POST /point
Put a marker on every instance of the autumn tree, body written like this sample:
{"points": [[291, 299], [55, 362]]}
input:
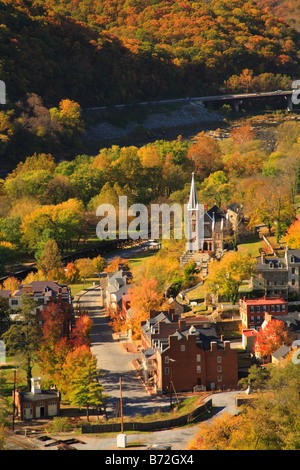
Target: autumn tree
{"points": [[292, 236], [271, 336], [81, 331], [72, 273], [226, 276], [268, 422], [68, 115], [142, 299], [216, 188], [50, 262], [23, 337], [56, 323], [205, 155], [100, 264], [82, 387], [114, 264], [11, 283], [85, 267], [269, 201]]}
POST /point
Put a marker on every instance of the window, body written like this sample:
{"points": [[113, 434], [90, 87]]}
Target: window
{"points": [[219, 378], [182, 348], [219, 369], [14, 302], [283, 308], [258, 308], [198, 369], [271, 265], [166, 370], [167, 360], [293, 282], [251, 319], [252, 309], [219, 359], [198, 357], [264, 308]]}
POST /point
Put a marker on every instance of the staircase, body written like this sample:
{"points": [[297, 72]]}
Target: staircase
{"points": [[186, 258]]}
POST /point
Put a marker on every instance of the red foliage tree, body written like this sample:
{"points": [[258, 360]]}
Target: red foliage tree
{"points": [[271, 336]]}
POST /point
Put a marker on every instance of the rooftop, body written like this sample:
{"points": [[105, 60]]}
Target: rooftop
{"points": [[265, 301]]}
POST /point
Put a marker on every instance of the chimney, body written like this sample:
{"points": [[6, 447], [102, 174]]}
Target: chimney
{"points": [[182, 325], [263, 257], [213, 346], [205, 207], [153, 313], [36, 385]]}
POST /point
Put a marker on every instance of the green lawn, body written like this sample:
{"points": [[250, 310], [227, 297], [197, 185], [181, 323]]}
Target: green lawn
{"points": [[251, 245], [137, 260], [79, 286]]}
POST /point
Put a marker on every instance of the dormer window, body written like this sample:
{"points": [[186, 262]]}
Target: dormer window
{"points": [[271, 265], [279, 265], [292, 259]]}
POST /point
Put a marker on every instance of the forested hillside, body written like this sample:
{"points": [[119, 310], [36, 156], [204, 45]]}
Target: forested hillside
{"points": [[287, 9], [110, 51]]}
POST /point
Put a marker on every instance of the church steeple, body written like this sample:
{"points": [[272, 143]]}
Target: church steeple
{"points": [[193, 219], [193, 201]]}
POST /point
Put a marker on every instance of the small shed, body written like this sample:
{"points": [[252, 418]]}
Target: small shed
{"points": [[248, 339], [37, 403]]}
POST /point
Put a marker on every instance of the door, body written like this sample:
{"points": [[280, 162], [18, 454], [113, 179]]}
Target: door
{"points": [[27, 413]]}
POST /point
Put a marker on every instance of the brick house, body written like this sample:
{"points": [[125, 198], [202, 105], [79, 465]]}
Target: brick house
{"points": [[183, 356], [37, 403], [253, 311]]}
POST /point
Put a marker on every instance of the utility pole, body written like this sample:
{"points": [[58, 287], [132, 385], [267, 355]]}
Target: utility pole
{"points": [[14, 398], [121, 404], [121, 438]]}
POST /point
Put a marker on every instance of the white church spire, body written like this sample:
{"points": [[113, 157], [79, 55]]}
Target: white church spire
{"points": [[195, 228], [193, 201]]}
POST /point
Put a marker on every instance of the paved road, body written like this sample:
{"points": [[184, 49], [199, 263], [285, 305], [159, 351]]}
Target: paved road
{"points": [[177, 438], [114, 363]]}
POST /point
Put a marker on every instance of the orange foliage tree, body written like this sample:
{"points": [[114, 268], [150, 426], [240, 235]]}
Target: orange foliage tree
{"points": [[292, 237], [143, 298], [205, 155]]}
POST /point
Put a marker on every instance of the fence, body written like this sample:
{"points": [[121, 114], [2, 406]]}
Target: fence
{"points": [[148, 426]]}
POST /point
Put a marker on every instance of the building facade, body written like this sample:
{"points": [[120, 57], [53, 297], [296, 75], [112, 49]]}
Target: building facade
{"points": [[253, 311], [185, 358], [280, 276]]}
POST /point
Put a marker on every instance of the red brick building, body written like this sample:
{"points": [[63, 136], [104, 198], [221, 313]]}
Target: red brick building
{"points": [[184, 357], [37, 403], [252, 311]]}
